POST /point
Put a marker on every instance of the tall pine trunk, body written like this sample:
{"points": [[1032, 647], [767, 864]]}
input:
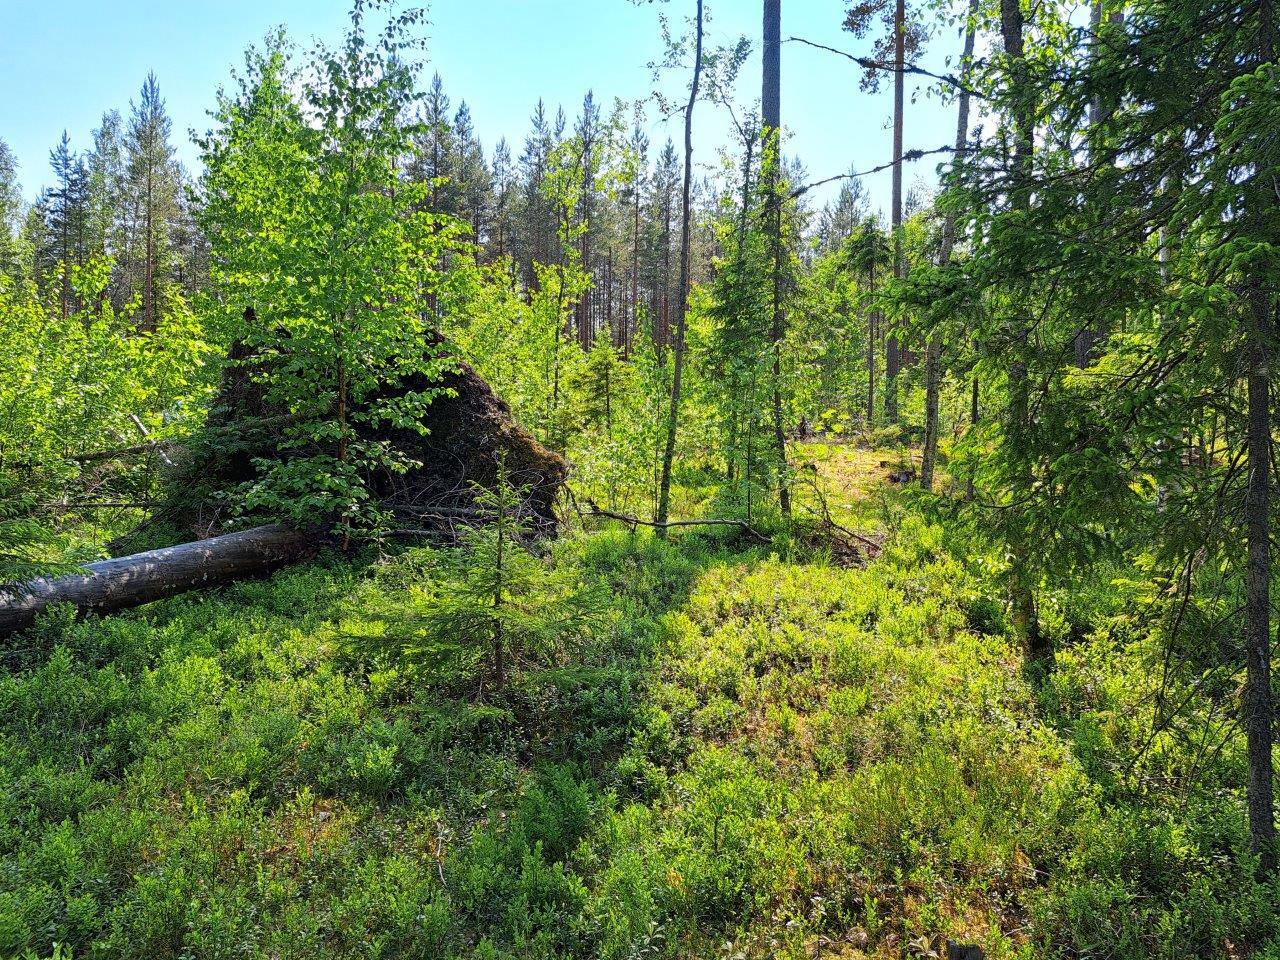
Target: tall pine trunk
{"points": [[892, 351], [686, 222], [585, 333], [634, 326], [771, 116]]}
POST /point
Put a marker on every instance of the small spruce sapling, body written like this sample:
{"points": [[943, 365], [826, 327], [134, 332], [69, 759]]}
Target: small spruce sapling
{"points": [[500, 602]]}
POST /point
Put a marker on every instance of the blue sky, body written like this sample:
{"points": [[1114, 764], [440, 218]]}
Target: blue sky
{"points": [[65, 63]]}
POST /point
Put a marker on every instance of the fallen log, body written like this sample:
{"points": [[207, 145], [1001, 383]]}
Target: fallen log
{"points": [[120, 453], [466, 433], [130, 581]]}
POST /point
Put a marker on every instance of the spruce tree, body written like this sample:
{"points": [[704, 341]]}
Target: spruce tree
{"points": [[840, 220], [537, 228], [106, 183], [500, 607], [66, 207], [474, 181]]}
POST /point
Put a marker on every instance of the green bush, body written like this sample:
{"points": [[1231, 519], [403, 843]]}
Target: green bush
{"points": [[766, 754]]}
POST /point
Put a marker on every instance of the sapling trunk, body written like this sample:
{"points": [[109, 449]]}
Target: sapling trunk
{"points": [[499, 641], [933, 351]]}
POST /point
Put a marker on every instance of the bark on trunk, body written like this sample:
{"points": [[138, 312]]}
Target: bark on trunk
{"points": [[131, 581], [892, 350], [932, 390], [686, 227], [771, 117], [974, 412], [1035, 646], [634, 327], [873, 340], [1259, 710], [1087, 337], [933, 352]]}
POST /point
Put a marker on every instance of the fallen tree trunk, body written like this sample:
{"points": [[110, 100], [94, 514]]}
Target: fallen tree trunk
{"points": [[143, 577], [464, 438]]}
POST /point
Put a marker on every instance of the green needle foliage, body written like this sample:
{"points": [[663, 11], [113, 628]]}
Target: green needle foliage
{"points": [[499, 603]]}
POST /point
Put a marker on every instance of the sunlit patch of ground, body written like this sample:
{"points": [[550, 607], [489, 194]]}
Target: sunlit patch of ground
{"points": [[853, 480]]}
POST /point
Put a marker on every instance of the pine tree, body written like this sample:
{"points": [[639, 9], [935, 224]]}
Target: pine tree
{"points": [[537, 229], [900, 39], [587, 133], [635, 180], [434, 160], [661, 217], [152, 203], [502, 176], [773, 180]]}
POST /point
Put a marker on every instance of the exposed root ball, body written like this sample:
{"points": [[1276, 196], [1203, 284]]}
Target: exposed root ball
{"points": [[467, 429]]}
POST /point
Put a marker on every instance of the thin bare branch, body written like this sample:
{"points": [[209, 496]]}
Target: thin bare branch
{"points": [[909, 155], [868, 64]]}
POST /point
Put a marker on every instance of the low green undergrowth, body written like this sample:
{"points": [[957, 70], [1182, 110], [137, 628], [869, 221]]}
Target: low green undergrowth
{"points": [[747, 757]]}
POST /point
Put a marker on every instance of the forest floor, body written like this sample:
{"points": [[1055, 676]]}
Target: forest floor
{"points": [[759, 754]]}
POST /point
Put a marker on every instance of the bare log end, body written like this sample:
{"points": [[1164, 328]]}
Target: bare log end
{"points": [[118, 584]]}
